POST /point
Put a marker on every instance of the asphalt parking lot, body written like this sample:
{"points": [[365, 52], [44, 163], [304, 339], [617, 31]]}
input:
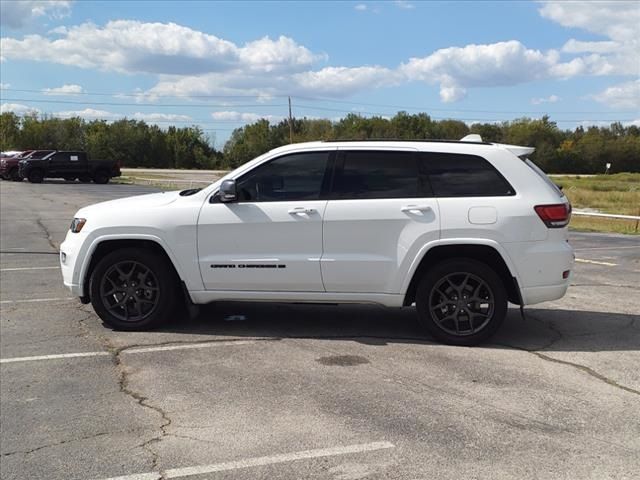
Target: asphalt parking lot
{"points": [[293, 392]]}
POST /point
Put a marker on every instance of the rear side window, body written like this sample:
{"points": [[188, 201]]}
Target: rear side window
{"points": [[544, 177], [376, 174], [458, 175]]}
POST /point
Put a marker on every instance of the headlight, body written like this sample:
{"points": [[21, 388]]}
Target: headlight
{"points": [[77, 224]]}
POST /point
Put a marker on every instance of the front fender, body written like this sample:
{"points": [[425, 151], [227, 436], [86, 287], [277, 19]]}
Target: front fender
{"points": [[186, 272]]}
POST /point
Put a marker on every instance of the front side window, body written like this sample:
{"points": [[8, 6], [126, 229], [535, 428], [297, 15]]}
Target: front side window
{"points": [[376, 174], [294, 177], [459, 175]]}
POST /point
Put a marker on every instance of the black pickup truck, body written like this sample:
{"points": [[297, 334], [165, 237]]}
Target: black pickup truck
{"points": [[68, 165]]}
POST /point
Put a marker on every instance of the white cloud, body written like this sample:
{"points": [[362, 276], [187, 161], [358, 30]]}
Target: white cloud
{"points": [[88, 114], [18, 109], [576, 46], [4, 86], [549, 99], [242, 117], [624, 96], [16, 14], [497, 64], [619, 22], [635, 123], [342, 81], [616, 20], [361, 7], [161, 117], [66, 89], [129, 46], [404, 4]]}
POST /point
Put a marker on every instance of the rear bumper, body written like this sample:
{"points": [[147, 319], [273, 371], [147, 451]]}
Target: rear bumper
{"points": [[541, 267], [546, 293]]}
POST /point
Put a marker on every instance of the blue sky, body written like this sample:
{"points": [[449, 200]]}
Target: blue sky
{"points": [[222, 64]]}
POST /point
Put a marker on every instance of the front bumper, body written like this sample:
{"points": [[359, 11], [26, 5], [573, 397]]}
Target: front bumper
{"points": [[70, 263]]}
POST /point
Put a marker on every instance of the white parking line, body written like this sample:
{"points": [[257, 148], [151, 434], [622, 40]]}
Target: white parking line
{"points": [[606, 248], [52, 357], [20, 269], [131, 351], [596, 262], [37, 300], [259, 461]]}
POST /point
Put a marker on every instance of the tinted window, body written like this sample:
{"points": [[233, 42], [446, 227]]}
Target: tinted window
{"points": [[293, 177], [456, 175], [376, 174]]}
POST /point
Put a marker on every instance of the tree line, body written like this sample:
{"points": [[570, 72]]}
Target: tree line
{"points": [[138, 144]]}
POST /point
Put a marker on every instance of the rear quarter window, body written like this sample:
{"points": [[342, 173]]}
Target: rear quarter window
{"points": [[459, 175]]}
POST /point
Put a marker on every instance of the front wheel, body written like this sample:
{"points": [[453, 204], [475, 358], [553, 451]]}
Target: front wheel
{"points": [[133, 289], [101, 177], [14, 175], [36, 176], [461, 302]]}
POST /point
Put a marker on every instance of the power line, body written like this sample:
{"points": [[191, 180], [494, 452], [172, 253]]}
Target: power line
{"points": [[154, 105], [309, 98], [308, 107]]}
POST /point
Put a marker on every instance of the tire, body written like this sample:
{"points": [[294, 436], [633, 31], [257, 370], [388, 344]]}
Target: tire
{"points": [[36, 176], [84, 178], [101, 177], [14, 175], [145, 308], [445, 304]]}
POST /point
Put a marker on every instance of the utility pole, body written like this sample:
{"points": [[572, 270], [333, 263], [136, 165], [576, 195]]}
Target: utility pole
{"points": [[290, 123]]}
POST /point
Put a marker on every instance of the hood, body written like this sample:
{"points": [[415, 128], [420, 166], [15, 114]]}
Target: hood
{"points": [[138, 202]]}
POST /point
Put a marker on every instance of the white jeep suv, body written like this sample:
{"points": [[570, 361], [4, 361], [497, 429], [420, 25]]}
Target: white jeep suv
{"points": [[457, 228]]}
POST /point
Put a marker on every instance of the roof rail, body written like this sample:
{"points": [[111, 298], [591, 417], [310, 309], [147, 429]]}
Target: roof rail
{"points": [[422, 140]]}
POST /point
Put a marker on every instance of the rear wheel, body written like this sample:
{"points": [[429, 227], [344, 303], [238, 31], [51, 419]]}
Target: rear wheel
{"points": [[133, 289], [461, 302], [36, 176], [101, 177], [14, 175]]}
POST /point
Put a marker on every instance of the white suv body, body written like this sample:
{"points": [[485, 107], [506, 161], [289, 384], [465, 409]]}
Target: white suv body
{"points": [[335, 222]]}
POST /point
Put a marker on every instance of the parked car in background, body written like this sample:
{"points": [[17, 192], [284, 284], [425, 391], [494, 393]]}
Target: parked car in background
{"points": [[9, 164], [70, 165]]}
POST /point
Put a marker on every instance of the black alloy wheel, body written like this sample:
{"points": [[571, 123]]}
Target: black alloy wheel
{"points": [[129, 291], [461, 302], [133, 289]]}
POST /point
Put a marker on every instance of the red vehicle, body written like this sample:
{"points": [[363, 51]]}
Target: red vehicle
{"points": [[9, 165]]}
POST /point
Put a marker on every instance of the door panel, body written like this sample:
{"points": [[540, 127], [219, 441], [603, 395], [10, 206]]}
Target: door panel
{"points": [[369, 244], [263, 246], [379, 215]]}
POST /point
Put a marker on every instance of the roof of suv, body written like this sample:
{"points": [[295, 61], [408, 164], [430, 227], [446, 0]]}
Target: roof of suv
{"points": [[464, 145]]}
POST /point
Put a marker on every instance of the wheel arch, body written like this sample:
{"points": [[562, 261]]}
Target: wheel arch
{"points": [[104, 246], [487, 254]]}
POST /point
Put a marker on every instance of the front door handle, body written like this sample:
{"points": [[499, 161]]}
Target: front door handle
{"points": [[415, 208], [301, 211]]}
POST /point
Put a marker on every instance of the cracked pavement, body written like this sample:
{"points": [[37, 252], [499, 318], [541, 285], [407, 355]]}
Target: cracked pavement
{"points": [[554, 396]]}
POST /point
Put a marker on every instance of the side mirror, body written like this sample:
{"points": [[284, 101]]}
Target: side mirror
{"points": [[228, 191]]}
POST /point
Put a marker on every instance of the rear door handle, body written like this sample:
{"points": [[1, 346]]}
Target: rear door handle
{"points": [[415, 208], [301, 210]]}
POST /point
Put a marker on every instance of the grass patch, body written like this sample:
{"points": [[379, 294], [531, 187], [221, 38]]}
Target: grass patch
{"points": [[617, 193]]}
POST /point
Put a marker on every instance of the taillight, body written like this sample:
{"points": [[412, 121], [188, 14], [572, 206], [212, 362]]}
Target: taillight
{"points": [[554, 216]]}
